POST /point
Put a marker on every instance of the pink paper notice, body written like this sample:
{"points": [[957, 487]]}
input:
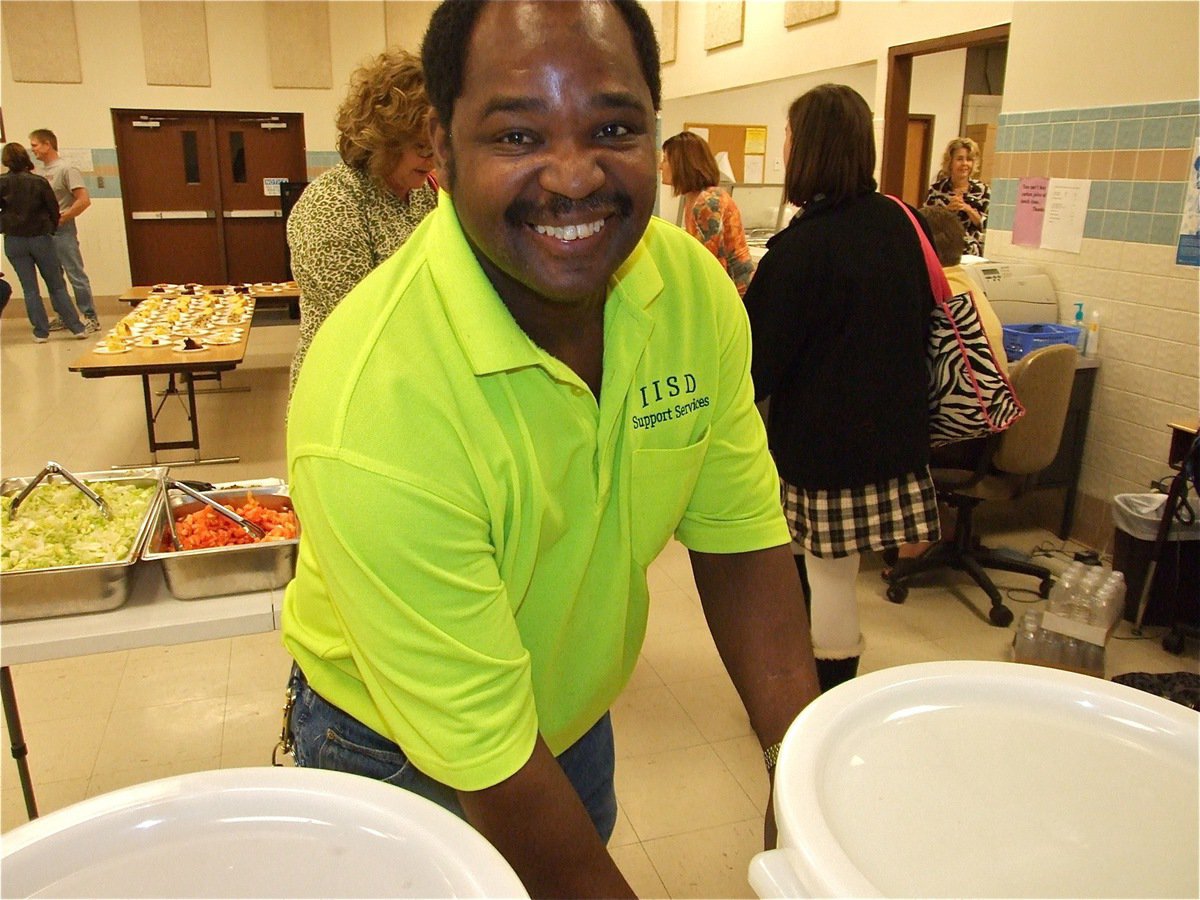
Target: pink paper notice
{"points": [[1030, 211]]}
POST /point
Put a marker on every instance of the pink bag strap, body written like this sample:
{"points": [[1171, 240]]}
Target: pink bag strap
{"points": [[937, 277]]}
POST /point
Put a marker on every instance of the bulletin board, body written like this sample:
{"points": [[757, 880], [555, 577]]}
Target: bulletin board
{"points": [[745, 144]]}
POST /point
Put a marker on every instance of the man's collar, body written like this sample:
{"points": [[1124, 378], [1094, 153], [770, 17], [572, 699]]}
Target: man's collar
{"points": [[489, 335]]}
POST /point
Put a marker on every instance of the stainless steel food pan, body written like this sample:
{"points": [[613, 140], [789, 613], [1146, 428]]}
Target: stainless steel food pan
{"points": [[216, 572], [70, 590]]}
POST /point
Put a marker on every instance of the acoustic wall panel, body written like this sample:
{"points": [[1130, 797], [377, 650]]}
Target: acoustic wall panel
{"points": [[42, 43], [175, 42], [405, 22], [298, 42]]}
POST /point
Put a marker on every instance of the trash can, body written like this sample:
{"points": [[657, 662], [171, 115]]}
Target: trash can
{"points": [[1173, 597]]}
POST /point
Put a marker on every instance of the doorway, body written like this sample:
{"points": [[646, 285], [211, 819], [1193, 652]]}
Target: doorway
{"points": [[899, 89], [917, 152], [200, 192]]}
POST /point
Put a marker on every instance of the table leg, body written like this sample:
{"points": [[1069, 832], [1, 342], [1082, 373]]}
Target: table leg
{"points": [[16, 738], [193, 419]]}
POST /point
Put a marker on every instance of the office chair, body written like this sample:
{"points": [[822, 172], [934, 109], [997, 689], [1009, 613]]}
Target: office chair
{"points": [[1042, 381]]}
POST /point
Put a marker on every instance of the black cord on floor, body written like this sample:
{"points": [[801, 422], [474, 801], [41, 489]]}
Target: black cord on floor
{"points": [[1008, 593], [1047, 548]]}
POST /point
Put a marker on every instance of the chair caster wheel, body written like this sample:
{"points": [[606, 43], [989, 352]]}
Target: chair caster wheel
{"points": [[1045, 587], [1001, 616], [1173, 642], [897, 593]]}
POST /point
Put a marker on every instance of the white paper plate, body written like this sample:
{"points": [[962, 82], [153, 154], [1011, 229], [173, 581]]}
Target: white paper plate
{"points": [[996, 779], [254, 832]]}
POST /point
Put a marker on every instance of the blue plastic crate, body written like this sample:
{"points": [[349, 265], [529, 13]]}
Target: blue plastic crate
{"points": [[1020, 340]]}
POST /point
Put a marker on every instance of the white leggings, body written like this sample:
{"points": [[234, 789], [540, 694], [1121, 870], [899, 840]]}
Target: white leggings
{"points": [[834, 606]]}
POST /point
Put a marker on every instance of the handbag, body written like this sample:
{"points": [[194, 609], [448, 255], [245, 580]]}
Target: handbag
{"points": [[969, 394]]}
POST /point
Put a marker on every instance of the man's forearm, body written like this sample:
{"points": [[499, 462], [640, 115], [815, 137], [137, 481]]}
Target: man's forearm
{"points": [[755, 610], [537, 821], [82, 201]]}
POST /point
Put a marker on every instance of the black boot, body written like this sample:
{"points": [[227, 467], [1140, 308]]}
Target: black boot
{"points": [[832, 672]]}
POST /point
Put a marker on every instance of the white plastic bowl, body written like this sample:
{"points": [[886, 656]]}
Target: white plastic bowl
{"points": [[986, 779], [254, 832]]}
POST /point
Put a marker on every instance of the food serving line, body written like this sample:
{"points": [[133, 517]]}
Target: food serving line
{"points": [[156, 589], [191, 331]]}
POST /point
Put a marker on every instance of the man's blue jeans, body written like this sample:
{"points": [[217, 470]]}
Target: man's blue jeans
{"points": [[66, 242], [30, 255], [328, 738]]}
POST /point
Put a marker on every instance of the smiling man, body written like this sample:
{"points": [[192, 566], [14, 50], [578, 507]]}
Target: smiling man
{"points": [[497, 432]]}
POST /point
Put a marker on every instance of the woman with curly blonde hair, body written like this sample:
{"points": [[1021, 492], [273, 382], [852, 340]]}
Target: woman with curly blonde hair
{"points": [[356, 215], [958, 190]]}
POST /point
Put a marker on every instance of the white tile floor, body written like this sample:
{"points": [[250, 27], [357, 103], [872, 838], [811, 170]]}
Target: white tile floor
{"points": [[689, 774]]}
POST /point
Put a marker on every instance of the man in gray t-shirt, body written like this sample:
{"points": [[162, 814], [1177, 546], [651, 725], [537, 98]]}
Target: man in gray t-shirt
{"points": [[73, 199]]}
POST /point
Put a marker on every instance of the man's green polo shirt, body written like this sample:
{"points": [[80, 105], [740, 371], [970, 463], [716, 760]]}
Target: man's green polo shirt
{"points": [[476, 528]]}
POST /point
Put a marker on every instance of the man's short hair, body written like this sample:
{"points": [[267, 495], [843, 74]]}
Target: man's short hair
{"points": [[444, 50], [949, 233], [45, 135]]}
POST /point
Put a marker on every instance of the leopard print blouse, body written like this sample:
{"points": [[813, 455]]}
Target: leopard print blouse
{"points": [[342, 227]]}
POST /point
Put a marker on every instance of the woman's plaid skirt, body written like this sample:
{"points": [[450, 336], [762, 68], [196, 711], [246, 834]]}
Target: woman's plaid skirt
{"points": [[841, 522]]}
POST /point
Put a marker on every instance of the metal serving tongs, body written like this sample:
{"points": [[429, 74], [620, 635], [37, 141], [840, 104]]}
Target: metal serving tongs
{"points": [[249, 527], [53, 468]]}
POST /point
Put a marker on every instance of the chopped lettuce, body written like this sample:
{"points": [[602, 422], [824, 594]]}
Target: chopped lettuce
{"points": [[56, 525]]}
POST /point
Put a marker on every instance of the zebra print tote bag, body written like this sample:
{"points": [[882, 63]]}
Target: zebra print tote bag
{"points": [[969, 394]]}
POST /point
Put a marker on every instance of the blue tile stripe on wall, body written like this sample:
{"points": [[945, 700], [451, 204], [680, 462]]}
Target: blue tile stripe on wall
{"points": [[103, 182], [1146, 212]]}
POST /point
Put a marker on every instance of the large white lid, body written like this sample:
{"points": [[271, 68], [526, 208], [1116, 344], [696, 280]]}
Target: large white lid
{"points": [[254, 832], [976, 779]]}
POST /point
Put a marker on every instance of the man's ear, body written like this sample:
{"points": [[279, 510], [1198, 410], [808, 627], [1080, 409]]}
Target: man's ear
{"points": [[439, 139]]}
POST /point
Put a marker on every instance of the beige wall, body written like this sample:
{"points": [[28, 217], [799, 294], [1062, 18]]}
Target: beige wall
{"points": [[1066, 55], [1081, 55], [861, 32]]}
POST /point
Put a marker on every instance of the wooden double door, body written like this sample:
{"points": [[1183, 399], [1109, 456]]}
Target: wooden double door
{"points": [[201, 193]]}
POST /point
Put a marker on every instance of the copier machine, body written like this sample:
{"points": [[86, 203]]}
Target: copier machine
{"points": [[1019, 293]]}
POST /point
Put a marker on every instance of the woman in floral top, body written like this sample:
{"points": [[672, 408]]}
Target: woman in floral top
{"points": [[710, 215], [962, 194]]}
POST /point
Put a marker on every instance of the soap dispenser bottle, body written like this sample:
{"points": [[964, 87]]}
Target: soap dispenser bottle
{"points": [[1081, 339]]}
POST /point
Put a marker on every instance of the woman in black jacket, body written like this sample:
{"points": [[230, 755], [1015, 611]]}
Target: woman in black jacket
{"points": [[840, 309], [29, 218]]}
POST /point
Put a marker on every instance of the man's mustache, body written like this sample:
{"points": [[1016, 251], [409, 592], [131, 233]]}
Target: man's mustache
{"points": [[519, 212]]}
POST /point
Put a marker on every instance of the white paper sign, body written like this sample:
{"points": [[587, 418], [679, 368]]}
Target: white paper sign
{"points": [[753, 166], [271, 186], [1066, 210], [80, 159], [699, 131]]}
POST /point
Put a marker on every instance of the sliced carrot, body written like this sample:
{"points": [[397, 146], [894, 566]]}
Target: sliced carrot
{"points": [[206, 528]]}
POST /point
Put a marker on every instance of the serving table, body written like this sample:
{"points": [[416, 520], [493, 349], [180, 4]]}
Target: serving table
{"points": [[150, 617], [173, 362]]}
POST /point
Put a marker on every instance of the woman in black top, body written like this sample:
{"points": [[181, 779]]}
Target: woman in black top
{"points": [[29, 218], [839, 310]]}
